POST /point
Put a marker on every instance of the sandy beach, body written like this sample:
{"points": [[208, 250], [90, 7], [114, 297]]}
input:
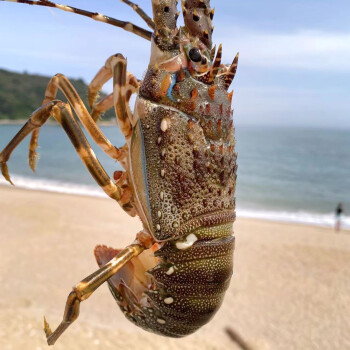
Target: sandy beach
{"points": [[291, 288]]}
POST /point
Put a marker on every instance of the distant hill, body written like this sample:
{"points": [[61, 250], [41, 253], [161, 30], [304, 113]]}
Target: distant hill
{"points": [[21, 94]]}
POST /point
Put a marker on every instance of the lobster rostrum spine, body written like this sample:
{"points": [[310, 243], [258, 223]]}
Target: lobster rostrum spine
{"points": [[180, 170]]}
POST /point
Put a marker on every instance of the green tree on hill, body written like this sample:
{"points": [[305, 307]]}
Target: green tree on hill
{"points": [[22, 93]]}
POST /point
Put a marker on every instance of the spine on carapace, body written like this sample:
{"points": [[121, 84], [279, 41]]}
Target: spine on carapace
{"points": [[165, 14], [198, 18]]}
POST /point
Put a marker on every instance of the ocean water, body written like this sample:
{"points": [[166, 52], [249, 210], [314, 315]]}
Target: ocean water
{"points": [[284, 174]]}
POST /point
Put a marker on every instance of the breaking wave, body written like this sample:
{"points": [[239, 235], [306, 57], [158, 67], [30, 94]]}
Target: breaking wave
{"points": [[302, 217]]}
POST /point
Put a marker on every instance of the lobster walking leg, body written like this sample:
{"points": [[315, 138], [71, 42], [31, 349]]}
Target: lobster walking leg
{"points": [[38, 118], [122, 92], [107, 103], [87, 286], [63, 115], [102, 106], [59, 81], [105, 74]]}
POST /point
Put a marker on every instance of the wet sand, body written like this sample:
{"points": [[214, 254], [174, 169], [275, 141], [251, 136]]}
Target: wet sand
{"points": [[291, 288]]}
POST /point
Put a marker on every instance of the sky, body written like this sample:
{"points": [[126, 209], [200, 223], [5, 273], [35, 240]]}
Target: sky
{"points": [[294, 65]]}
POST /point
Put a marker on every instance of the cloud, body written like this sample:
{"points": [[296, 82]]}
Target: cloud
{"points": [[308, 50]]}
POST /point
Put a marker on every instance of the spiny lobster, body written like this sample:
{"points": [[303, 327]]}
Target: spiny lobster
{"points": [[180, 169]]}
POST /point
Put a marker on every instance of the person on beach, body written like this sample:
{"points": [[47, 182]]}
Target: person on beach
{"points": [[338, 215]]}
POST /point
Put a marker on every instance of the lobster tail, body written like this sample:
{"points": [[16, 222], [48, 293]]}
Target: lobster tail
{"points": [[185, 286], [198, 20], [165, 17]]}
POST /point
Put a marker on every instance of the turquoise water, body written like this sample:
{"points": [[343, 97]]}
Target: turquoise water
{"points": [[287, 174]]}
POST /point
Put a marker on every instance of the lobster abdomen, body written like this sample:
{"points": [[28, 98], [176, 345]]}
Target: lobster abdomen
{"points": [[185, 288]]}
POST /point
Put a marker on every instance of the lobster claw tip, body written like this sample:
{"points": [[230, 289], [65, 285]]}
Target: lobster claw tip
{"points": [[5, 172], [47, 330], [33, 160]]}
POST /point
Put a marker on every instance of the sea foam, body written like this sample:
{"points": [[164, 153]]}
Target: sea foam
{"points": [[302, 217]]}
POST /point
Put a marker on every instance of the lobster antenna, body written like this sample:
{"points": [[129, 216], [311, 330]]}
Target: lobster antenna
{"points": [[128, 26], [141, 13]]}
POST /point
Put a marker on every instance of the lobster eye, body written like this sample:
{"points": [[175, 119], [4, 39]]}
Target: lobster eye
{"points": [[195, 55]]}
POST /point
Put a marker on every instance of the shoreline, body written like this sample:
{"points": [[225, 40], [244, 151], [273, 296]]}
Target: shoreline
{"points": [[52, 122], [239, 217]]}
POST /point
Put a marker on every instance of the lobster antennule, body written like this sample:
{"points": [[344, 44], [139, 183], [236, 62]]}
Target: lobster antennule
{"points": [[165, 17], [229, 76], [198, 20]]}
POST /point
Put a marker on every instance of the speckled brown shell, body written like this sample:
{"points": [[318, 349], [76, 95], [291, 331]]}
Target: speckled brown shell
{"points": [[189, 159], [188, 286], [183, 167]]}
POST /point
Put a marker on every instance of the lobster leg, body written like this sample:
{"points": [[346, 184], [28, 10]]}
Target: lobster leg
{"points": [[111, 70], [122, 92], [59, 81], [62, 113], [102, 106], [125, 84], [87, 286]]}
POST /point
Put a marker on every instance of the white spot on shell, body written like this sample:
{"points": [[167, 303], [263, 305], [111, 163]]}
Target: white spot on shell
{"points": [[158, 227], [162, 195], [170, 271], [160, 321], [168, 301], [99, 17], [162, 173], [129, 27], [159, 214], [64, 8], [164, 126], [190, 240]]}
